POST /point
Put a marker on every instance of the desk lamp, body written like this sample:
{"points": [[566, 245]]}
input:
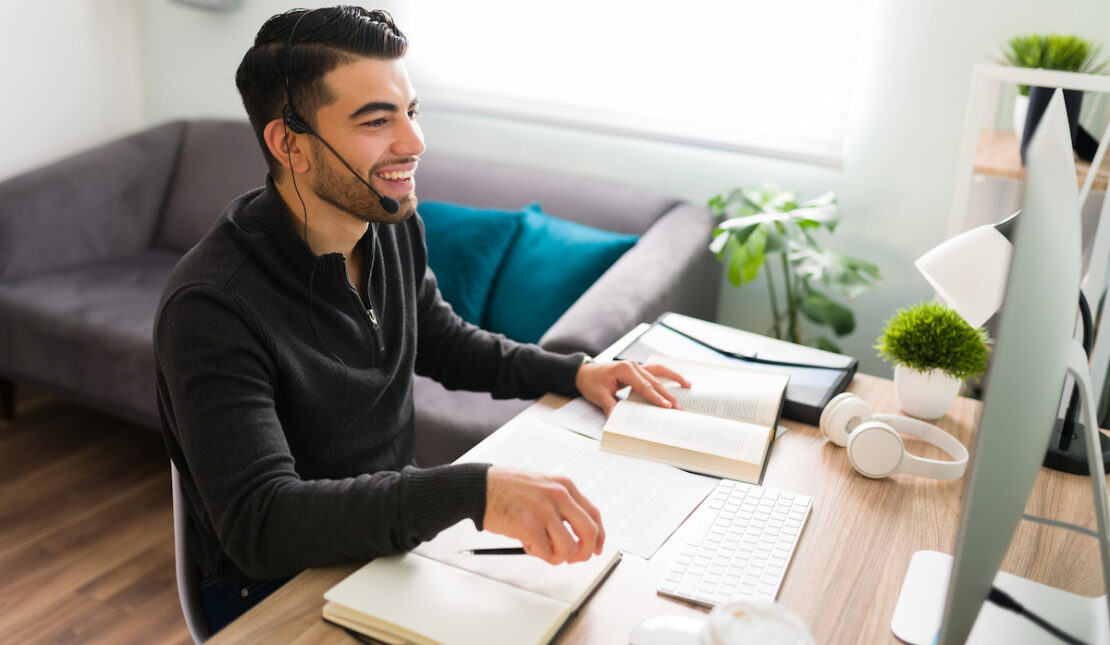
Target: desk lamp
{"points": [[969, 273]]}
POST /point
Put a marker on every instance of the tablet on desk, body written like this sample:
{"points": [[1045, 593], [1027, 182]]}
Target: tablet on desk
{"points": [[816, 376]]}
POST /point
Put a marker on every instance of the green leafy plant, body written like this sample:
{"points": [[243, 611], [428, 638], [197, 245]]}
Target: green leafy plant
{"points": [[928, 336], [761, 222], [1053, 51]]}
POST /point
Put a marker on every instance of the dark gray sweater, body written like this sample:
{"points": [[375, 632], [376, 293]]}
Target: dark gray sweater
{"points": [[290, 416]]}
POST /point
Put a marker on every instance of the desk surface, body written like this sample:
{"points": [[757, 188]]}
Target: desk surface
{"points": [[849, 564]]}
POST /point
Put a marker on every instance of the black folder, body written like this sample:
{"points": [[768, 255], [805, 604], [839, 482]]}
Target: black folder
{"points": [[816, 376]]}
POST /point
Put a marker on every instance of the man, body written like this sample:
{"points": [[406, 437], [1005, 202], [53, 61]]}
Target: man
{"points": [[287, 340]]}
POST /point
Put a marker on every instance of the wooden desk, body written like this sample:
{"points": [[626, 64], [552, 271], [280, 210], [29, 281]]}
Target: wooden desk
{"points": [[849, 564]]}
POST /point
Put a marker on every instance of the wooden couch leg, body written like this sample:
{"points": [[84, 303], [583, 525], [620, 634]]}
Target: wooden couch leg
{"points": [[7, 400]]}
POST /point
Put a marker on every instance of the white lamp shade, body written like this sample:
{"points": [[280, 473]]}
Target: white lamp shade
{"points": [[969, 272]]}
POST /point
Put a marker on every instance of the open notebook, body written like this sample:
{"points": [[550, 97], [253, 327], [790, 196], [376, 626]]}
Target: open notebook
{"points": [[437, 594]]}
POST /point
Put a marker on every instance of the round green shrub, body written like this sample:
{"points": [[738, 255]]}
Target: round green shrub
{"points": [[1053, 51], [929, 335]]}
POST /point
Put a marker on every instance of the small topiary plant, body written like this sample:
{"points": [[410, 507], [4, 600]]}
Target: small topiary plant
{"points": [[928, 336], [1052, 51]]}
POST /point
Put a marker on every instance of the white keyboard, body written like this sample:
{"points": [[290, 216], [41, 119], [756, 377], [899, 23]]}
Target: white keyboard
{"points": [[743, 541]]}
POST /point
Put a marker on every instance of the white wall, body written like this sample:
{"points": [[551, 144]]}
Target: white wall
{"points": [[894, 187], [70, 78], [190, 55]]}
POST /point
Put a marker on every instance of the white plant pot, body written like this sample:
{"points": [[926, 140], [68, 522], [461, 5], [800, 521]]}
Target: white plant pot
{"points": [[925, 395], [1021, 108]]}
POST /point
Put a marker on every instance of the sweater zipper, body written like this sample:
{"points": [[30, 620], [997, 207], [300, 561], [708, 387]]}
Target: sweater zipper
{"points": [[371, 316]]}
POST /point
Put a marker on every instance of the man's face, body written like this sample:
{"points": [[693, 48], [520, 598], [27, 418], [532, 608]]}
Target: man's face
{"points": [[372, 124]]}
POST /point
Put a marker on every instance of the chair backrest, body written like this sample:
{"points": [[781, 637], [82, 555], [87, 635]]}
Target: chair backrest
{"points": [[188, 573]]}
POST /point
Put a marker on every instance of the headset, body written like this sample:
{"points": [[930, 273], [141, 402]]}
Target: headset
{"points": [[297, 124], [876, 450]]}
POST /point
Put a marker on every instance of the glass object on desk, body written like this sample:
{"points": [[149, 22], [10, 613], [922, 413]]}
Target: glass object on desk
{"points": [[741, 623]]}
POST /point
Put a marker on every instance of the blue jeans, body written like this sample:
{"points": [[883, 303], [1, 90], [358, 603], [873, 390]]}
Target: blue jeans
{"points": [[225, 602]]}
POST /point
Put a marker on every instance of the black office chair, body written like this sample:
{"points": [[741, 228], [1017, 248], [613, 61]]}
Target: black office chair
{"points": [[188, 573]]}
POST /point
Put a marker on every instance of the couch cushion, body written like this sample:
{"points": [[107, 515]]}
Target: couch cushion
{"points": [[89, 331], [588, 200], [552, 262], [94, 205], [466, 247], [219, 160]]}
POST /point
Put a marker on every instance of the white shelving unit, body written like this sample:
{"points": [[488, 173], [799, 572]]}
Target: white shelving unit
{"points": [[979, 137]]}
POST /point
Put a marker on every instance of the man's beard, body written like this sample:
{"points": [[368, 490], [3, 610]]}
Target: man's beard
{"points": [[336, 186]]}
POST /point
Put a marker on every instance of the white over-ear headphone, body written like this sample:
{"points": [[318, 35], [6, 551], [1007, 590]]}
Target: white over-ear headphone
{"points": [[876, 450]]}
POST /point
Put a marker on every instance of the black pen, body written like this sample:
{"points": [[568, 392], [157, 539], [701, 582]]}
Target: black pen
{"points": [[501, 551]]}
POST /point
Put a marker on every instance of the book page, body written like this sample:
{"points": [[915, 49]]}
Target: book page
{"points": [[424, 601], [641, 502], [725, 392], [568, 583], [732, 439]]}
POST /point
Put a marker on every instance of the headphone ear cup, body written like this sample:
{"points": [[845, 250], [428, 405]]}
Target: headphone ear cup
{"points": [[875, 450], [843, 414]]}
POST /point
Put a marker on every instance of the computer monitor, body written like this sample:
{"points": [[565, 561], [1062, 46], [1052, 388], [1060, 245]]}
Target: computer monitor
{"points": [[1033, 352]]}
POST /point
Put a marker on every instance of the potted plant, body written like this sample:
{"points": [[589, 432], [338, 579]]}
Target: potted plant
{"points": [[933, 351], [1049, 51], [759, 223]]}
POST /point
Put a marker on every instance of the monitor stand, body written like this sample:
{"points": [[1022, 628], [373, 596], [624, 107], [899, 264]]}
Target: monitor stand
{"points": [[921, 604]]}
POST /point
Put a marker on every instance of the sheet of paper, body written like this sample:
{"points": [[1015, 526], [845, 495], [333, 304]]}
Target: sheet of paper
{"points": [[578, 415], [641, 502]]}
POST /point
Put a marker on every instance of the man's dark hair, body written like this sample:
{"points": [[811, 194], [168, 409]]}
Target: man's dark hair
{"points": [[323, 40]]}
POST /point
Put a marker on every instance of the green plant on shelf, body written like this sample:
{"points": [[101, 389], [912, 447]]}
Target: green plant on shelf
{"points": [[928, 336], [1053, 51], [758, 223]]}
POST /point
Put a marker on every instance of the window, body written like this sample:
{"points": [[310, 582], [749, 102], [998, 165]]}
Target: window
{"points": [[767, 77]]}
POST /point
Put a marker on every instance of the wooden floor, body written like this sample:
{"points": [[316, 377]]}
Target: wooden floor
{"points": [[86, 529]]}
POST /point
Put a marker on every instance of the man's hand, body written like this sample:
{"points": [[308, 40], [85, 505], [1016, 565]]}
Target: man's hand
{"points": [[599, 382], [536, 509]]}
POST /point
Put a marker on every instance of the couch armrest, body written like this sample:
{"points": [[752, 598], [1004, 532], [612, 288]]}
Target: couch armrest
{"points": [[669, 269], [97, 204]]}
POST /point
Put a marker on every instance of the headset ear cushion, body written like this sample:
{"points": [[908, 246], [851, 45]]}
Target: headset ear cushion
{"points": [[876, 450], [842, 415]]}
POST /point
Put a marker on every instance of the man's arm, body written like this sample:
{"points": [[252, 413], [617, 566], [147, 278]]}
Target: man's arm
{"points": [[216, 386]]}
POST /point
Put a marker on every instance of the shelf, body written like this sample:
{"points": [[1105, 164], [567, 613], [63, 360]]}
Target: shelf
{"points": [[999, 155]]}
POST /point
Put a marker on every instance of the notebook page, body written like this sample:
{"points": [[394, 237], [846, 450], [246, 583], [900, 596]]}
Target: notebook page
{"points": [[424, 601], [568, 583]]}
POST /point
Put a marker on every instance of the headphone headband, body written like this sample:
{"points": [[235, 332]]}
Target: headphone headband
{"points": [[289, 113], [875, 448], [929, 433]]}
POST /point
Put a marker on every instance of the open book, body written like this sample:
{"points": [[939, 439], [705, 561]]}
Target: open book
{"points": [[725, 427], [439, 594]]}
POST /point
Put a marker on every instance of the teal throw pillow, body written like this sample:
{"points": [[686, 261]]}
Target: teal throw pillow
{"points": [[466, 246], [552, 262]]}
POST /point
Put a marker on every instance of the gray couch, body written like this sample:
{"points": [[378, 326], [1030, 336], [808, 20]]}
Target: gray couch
{"points": [[87, 243]]}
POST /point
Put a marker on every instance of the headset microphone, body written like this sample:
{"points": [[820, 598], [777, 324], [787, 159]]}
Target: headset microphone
{"points": [[295, 123]]}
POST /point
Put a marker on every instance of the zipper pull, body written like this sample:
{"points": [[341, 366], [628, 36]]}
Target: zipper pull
{"points": [[373, 318]]}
